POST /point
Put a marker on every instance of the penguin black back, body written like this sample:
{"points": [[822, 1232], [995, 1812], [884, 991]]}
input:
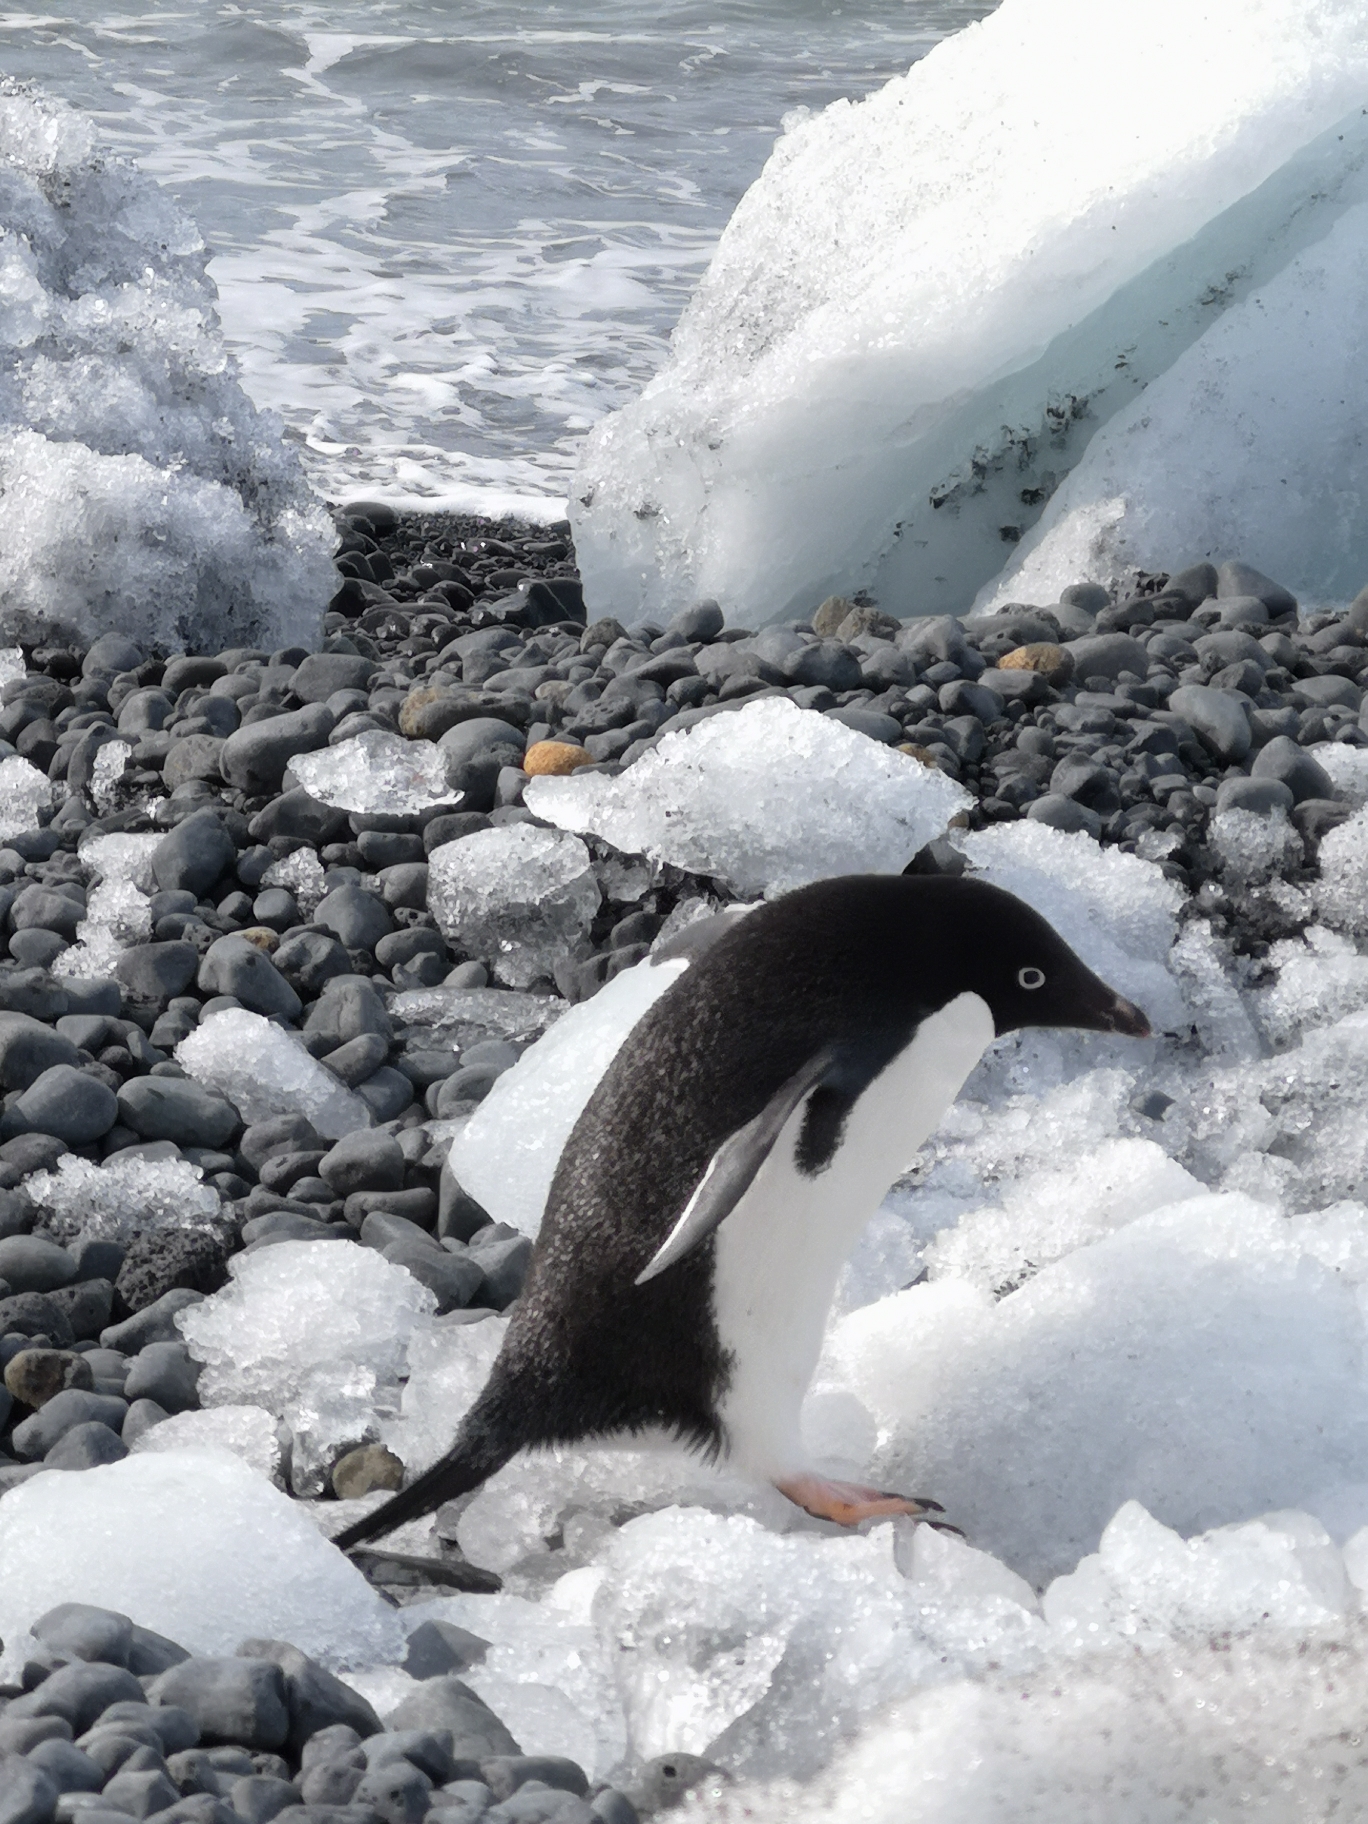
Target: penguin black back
{"points": [[835, 978]]}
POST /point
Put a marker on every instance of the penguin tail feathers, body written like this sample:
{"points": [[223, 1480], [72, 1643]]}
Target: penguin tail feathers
{"points": [[474, 1457]]}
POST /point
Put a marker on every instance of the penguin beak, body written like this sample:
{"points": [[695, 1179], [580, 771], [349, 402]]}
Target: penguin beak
{"points": [[1125, 1017]]}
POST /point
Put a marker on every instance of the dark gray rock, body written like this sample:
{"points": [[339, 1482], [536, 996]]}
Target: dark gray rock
{"points": [[1265, 797], [363, 1161], [962, 698], [476, 750], [702, 621], [330, 1783], [1063, 813], [153, 1323], [34, 1437], [85, 1632], [36, 948], [503, 1260], [86, 1304], [322, 673], [1219, 718], [142, 1416], [257, 1798], [79, 1693], [31, 1263], [357, 919], [454, 1278], [446, 1703], [315, 1698], [233, 966], [174, 1729], [1235, 578], [156, 973], [387, 1093], [825, 662], [164, 1372], [194, 854], [436, 1648], [65, 1102], [281, 1134], [358, 1059], [66, 1766], [192, 756], [347, 1007], [310, 960], [238, 1701], [35, 1314], [1324, 693], [87, 1447], [396, 1790], [39, 908], [295, 813], [254, 759], [177, 1109], [142, 1793], [504, 1774], [159, 1262], [1283, 760]]}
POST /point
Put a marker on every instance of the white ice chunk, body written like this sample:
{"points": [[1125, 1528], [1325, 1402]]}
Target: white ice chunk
{"points": [[111, 762], [144, 490], [118, 909], [1320, 978], [117, 1200], [1254, 848], [376, 771], [930, 300], [1341, 893], [24, 791], [448, 1365], [300, 1310], [1054, 1212], [1202, 1360], [507, 1153], [1347, 767], [1118, 912], [519, 897], [1181, 469], [264, 1070], [249, 1432], [300, 873], [766, 797], [12, 665], [193, 1544]]}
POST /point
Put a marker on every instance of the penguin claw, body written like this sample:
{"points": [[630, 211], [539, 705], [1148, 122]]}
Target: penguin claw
{"points": [[848, 1503]]}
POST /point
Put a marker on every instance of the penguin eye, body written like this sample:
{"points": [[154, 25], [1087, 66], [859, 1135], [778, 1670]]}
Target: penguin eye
{"points": [[1031, 978]]}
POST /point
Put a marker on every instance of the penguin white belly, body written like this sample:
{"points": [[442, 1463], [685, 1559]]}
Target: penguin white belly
{"points": [[780, 1251]]}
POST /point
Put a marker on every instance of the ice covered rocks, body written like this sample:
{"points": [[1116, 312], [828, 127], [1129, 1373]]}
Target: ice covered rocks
{"points": [[264, 1071], [516, 896], [144, 489], [109, 1202], [24, 791], [766, 798], [193, 1544], [376, 771]]}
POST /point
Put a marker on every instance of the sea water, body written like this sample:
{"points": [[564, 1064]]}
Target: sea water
{"points": [[449, 235]]}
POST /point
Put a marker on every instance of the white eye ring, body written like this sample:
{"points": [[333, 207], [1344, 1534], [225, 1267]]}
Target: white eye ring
{"points": [[1031, 978]]}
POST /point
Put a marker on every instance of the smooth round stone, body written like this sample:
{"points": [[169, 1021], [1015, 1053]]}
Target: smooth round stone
{"points": [[1218, 718], [1265, 797], [1063, 813], [555, 758], [868, 722], [1311, 693], [363, 1161], [28, 1047], [66, 1103], [35, 1376], [176, 1109], [36, 948], [1235, 579], [194, 854], [86, 1446], [704, 620], [356, 918], [232, 966], [31, 1263], [254, 759], [1285, 760]]}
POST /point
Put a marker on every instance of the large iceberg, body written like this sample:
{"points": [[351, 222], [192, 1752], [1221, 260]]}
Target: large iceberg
{"points": [[142, 488], [923, 310]]}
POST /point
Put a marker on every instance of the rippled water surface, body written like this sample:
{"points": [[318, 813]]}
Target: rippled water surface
{"points": [[449, 234]]}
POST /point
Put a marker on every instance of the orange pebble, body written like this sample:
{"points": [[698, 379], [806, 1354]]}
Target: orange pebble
{"points": [[555, 757]]}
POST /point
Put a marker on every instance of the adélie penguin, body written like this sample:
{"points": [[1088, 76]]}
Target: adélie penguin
{"points": [[724, 1167]]}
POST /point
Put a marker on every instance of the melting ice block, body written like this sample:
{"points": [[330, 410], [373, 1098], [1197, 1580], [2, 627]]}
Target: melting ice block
{"points": [[24, 791], [518, 896], [118, 907], [376, 771], [300, 873], [766, 797], [264, 1070], [1341, 893], [112, 1202], [193, 1544], [144, 490], [929, 300], [1181, 473], [249, 1432], [506, 1154]]}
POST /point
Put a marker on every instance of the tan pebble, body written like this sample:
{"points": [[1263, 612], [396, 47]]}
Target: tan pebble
{"points": [[35, 1376], [428, 712], [555, 757], [1055, 663], [830, 615], [368, 1467], [262, 937]]}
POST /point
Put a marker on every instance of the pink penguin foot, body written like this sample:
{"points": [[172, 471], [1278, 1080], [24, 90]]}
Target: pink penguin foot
{"points": [[847, 1503]]}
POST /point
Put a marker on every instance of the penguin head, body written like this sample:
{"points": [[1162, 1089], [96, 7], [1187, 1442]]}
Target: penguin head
{"points": [[1025, 971]]}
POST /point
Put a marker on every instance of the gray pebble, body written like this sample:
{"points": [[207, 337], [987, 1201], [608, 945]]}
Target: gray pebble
{"points": [[194, 854], [36, 949], [86, 1632], [34, 1437], [1219, 718], [87, 1446], [1236, 578], [27, 1795], [1284, 761], [356, 918], [154, 973], [1265, 797], [396, 1790], [454, 1278], [177, 1109], [140, 1793], [322, 673], [142, 1416], [28, 1048], [35, 1314], [64, 1102], [503, 1259], [311, 959], [439, 1647], [166, 1373], [447, 1703], [175, 1729], [30, 1263], [86, 1305], [1063, 813], [79, 1693], [387, 1093], [363, 1161], [233, 966], [254, 759], [155, 1323], [506, 1773], [347, 1007], [358, 1059]]}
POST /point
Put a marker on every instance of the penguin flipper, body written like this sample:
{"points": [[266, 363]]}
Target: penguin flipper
{"points": [[732, 1168]]}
